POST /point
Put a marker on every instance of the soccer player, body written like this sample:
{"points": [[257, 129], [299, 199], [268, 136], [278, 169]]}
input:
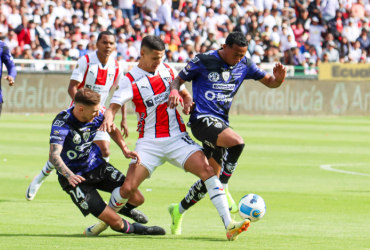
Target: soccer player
{"points": [[162, 135], [6, 57], [81, 167], [97, 71], [216, 77]]}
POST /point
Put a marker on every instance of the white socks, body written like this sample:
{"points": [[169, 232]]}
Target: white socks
{"points": [[45, 172], [225, 185], [106, 159], [217, 194], [116, 202], [181, 209]]}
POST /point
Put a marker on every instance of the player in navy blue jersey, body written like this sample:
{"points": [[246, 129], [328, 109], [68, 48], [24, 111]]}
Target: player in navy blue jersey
{"points": [[82, 170], [6, 57], [216, 77]]}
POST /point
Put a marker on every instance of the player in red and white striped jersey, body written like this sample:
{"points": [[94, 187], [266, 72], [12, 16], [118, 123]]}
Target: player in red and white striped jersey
{"points": [[162, 134], [97, 71]]}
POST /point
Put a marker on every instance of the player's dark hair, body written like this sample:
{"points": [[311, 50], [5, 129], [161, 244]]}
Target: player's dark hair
{"points": [[87, 97], [153, 43], [108, 33], [237, 38]]}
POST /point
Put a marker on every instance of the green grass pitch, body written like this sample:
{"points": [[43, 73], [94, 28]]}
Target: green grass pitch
{"points": [[307, 207]]}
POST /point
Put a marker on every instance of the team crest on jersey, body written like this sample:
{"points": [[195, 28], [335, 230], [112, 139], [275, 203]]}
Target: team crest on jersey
{"points": [[77, 139], [188, 67], [84, 205], [226, 75], [111, 77], [213, 76], [86, 135], [56, 132]]}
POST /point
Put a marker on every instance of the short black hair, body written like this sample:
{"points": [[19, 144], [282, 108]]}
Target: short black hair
{"points": [[105, 33], [153, 43], [87, 97], [237, 38]]}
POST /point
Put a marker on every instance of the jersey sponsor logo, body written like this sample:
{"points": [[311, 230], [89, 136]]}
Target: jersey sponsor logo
{"points": [[195, 60], [55, 137], [185, 72], [149, 103], [58, 123], [144, 87], [226, 75], [224, 86], [210, 96], [83, 146], [218, 125], [66, 116], [56, 132], [209, 144], [188, 67], [110, 76], [77, 139], [98, 89], [213, 76]]}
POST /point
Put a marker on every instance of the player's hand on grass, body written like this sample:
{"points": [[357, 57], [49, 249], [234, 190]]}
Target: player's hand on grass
{"points": [[10, 79], [174, 99], [74, 180], [132, 154], [124, 129], [279, 72], [108, 125]]}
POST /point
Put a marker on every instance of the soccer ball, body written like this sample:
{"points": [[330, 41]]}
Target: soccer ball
{"points": [[252, 207]]}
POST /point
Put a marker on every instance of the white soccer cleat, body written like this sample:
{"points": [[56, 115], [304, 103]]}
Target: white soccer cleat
{"points": [[95, 229], [33, 188], [235, 228]]}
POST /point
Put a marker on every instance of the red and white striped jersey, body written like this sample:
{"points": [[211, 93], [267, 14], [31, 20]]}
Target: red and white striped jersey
{"points": [[150, 93], [91, 74]]}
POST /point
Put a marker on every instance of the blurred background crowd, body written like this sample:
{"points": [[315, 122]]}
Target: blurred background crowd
{"points": [[294, 32]]}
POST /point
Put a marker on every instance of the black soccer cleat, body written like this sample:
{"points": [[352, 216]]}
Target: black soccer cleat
{"points": [[134, 214], [143, 230]]}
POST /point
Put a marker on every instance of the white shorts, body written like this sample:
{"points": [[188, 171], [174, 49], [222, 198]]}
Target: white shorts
{"points": [[155, 152], [102, 136]]}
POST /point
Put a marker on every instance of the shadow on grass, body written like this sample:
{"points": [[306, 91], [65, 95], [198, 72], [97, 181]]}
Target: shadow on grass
{"points": [[159, 237]]}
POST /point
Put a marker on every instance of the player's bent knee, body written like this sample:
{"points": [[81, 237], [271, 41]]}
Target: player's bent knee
{"points": [[128, 190], [207, 172], [116, 224], [105, 152]]}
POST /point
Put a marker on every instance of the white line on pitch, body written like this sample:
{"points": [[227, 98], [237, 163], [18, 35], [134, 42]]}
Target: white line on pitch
{"points": [[329, 167]]}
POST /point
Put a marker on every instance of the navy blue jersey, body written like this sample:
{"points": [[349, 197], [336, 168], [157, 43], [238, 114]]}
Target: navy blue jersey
{"points": [[215, 83], [6, 57], [79, 152]]}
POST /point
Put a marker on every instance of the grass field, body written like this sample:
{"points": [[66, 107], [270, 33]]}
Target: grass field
{"points": [[307, 207]]}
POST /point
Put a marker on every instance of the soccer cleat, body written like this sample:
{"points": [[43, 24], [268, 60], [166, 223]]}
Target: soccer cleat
{"points": [[173, 209], [155, 230], [95, 229], [33, 188], [134, 214], [235, 228], [230, 201]]}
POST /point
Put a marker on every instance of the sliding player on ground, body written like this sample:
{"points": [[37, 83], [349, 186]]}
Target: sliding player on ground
{"points": [[162, 135], [216, 77], [97, 71], [81, 167]]}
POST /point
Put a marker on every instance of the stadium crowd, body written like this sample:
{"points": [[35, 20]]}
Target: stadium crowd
{"points": [[294, 32]]}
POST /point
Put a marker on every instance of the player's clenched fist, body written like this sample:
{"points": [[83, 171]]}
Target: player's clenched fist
{"points": [[74, 180], [108, 124], [174, 99]]}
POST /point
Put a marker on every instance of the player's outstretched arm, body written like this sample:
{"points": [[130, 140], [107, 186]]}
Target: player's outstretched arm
{"points": [[109, 115], [57, 161], [118, 139], [277, 79], [175, 97], [72, 88]]}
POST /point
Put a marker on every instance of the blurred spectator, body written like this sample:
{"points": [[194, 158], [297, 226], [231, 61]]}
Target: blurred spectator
{"points": [[344, 48], [333, 53], [364, 39], [351, 31], [163, 13], [315, 35]]}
